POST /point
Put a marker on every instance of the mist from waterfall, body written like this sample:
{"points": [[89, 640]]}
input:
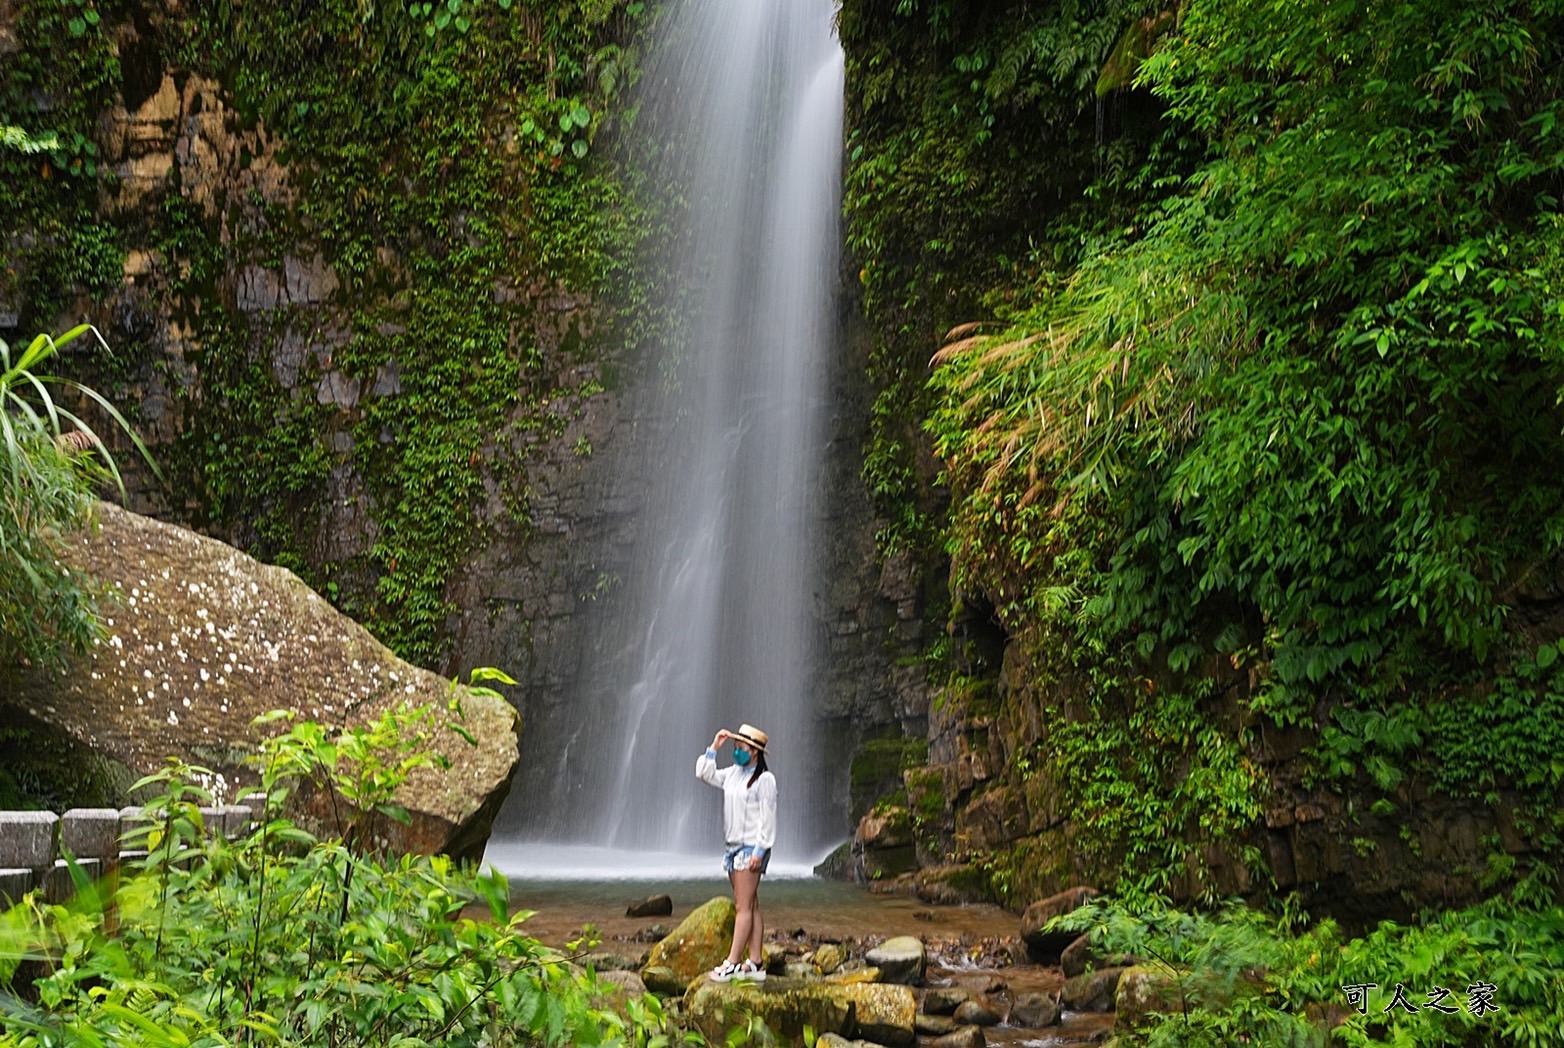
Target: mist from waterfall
{"points": [[712, 626]]}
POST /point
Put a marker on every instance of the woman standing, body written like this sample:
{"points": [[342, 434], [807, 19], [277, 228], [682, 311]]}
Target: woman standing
{"points": [[749, 823]]}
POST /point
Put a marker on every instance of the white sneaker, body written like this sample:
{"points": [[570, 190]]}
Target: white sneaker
{"points": [[749, 971], [724, 972]]}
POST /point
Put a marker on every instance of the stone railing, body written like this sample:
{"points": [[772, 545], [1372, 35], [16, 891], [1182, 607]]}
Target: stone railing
{"points": [[34, 845]]}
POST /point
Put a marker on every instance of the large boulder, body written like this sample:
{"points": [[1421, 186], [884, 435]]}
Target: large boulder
{"points": [[875, 1012], [201, 639], [885, 1014], [716, 1008], [1046, 946], [697, 945]]}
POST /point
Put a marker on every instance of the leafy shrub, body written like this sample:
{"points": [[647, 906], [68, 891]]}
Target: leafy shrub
{"points": [[1489, 975], [282, 937], [51, 460]]}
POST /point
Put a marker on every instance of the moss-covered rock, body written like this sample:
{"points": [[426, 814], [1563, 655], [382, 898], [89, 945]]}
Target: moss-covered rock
{"points": [[885, 1014], [875, 1012], [1144, 990], [698, 944], [715, 1008]]}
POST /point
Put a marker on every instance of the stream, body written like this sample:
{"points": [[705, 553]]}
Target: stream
{"points": [[972, 945]]}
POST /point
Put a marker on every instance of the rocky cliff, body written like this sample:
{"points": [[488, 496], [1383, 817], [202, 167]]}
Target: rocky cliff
{"points": [[373, 304]]}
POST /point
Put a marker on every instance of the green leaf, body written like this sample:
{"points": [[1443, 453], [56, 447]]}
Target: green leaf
{"points": [[579, 148]]}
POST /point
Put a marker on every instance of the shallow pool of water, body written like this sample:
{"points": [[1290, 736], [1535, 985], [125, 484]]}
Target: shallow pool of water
{"points": [[819, 909], [568, 888]]}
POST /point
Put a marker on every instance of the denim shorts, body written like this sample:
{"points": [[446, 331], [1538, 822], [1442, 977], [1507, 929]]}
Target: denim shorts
{"points": [[738, 857]]}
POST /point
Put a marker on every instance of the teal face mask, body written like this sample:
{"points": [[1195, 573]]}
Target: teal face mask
{"points": [[741, 757]]}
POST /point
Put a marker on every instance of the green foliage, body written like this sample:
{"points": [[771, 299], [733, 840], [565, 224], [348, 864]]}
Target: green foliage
{"points": [[1290, 384], [297, 940], [1237, 975], [955, 202], [51, 459], [1156, 779], [1294, 418]]}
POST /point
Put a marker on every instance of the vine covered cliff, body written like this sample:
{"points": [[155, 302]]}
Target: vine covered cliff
{"points": [[1245, 449]]}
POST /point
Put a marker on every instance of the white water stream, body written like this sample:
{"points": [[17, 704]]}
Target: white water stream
{"points": [[713, 626]]}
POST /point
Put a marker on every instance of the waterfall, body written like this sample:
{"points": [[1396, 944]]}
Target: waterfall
{"points": [[712, 626]]}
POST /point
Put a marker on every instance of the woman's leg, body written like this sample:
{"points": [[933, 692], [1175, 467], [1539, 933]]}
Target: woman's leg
{"points": [[757, 927], [746, 922]]}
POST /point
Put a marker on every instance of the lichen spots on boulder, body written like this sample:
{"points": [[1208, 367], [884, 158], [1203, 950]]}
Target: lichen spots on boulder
{"points": [[201, 639]]}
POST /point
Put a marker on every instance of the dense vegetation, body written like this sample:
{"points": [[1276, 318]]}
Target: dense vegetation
{"points": [[1249, 425], [1268, 428], [1487, 975], [281, 936], [447, 163]]}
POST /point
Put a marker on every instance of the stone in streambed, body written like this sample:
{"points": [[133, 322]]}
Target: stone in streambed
{"points": [[698, 944], [945, 1000], [876, 1012], [966, 1037], [652, 906], [976, 1013], [1082, 954], [1143, 990], [715, 1008], [901, 960], [933, 1025], [855, 975], [884, 1013], [1093, 991], [830, 956], [1034, 1010]]}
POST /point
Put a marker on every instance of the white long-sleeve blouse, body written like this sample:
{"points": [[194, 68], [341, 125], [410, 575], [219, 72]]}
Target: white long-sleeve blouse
{"points": [[749, 814]]}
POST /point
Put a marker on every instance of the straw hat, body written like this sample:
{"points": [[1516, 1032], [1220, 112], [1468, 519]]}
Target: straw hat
{"points": [[752, 736]]}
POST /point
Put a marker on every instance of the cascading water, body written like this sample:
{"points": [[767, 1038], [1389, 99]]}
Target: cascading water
{"points": [[713, 626]]}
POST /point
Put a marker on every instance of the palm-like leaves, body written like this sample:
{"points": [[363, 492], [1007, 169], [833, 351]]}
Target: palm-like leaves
{"points": [[51, 459]]}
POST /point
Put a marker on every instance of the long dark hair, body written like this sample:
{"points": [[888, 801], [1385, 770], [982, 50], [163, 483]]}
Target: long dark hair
{"points": [[760, 767]]}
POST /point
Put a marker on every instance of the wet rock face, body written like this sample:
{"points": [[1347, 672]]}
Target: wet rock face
{"points": [[202, 639]]}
